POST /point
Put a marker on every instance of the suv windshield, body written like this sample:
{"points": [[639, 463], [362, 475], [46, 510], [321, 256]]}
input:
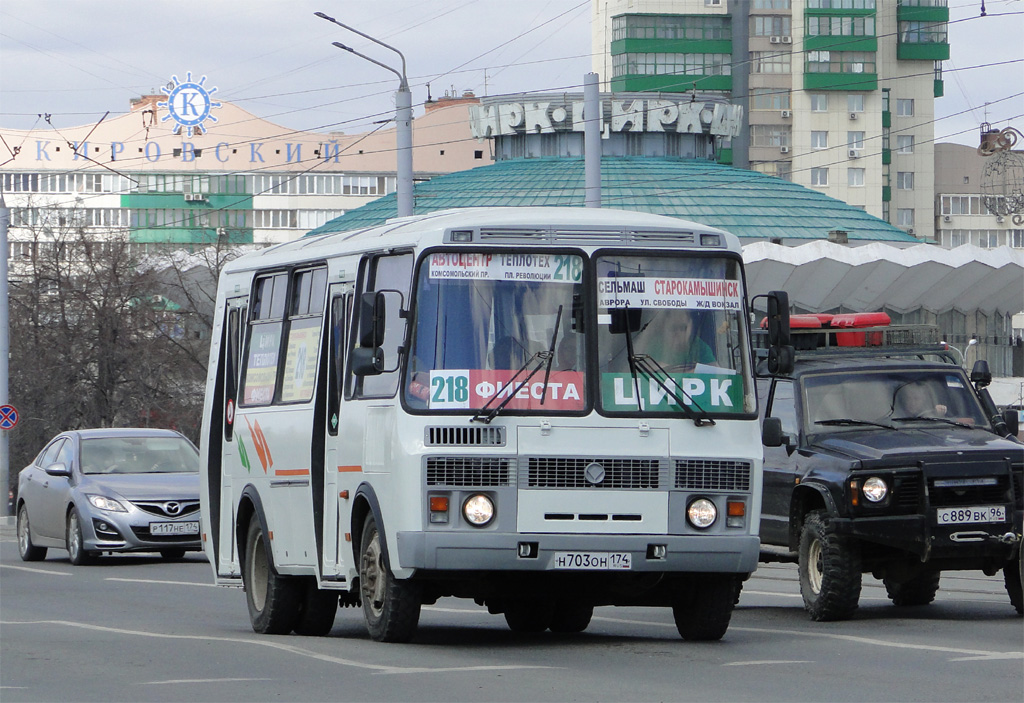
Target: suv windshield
{"points": [[486, 320], [895, 398], [683, 319]]}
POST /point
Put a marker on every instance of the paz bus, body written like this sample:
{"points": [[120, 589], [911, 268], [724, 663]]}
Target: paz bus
{"points": [[488, 404]]}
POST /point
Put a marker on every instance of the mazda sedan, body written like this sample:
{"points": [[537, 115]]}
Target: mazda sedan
{"points": [[110, 490]]}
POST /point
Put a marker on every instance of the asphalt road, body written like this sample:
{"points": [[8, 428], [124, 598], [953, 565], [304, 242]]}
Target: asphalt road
{"points": [[135, 628]]}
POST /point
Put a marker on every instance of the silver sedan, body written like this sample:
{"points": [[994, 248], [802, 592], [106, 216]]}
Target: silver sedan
{"points": [[110, 490]]}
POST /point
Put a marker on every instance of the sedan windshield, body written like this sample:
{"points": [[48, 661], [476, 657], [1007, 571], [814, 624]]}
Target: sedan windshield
{"points": [[139, 455], [498, 329]]}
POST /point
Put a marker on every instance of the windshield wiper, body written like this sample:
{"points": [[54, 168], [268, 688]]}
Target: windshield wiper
{"points": [[485, 416], [644, 363], [851, 421], [946, 420]]}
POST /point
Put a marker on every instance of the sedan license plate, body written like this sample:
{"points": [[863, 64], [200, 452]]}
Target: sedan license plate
{"points": [[960, 516], [174, 528], [593, 560]]}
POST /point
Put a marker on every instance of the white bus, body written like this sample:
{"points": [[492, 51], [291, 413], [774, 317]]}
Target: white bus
{"points": [[542, 409]]}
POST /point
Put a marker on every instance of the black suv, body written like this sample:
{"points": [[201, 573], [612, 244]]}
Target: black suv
{"points": [[893, 465]]}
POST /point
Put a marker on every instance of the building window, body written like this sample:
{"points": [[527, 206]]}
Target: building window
{"points": [[779, 169], [769, 99], [819, 102], [841, 4], [840, 26], [693, 27], [659, 64], [905, 143], [819, 140], [855, 177], [923, 32], [855, 140], [905, 180], [905, 107], [770, 62], [772, 4], [855, 102], [819, 176], [769, 135], [959, 237], [1016, 238], [778, 25], [840, 62], [904, 217], [988, 238]]}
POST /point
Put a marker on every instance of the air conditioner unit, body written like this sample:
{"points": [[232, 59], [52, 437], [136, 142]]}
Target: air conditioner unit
{"points": [[910, 231], [947, 218], [854, 116], [775, 40], [787, 113], [784, 149], [194, 197], [787, 40], [854, 153]]}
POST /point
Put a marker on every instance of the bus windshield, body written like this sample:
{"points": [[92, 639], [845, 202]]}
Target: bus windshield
{"points": [[486, 321], [682, 317]]}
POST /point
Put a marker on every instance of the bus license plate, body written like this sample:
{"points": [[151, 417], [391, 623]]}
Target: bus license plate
{"points": [[174, 528], [593, 560], [960, 516]]}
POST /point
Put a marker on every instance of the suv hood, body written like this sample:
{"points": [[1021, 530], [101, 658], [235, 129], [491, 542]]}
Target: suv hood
{"points": [[880, 443]]}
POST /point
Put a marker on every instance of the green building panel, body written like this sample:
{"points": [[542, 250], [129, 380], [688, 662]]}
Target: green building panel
{"points": [[932, 51], [164, 201], [671, 46], [175, 235], [724, 156], [840, 11], [922, 13], [886, 193], [841, 81], [939, 89], [886, 157], [886, 118], [669, 83]]}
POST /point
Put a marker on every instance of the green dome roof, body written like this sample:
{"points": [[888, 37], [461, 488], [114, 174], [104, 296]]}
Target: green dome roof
{"points": [[749, 204]]}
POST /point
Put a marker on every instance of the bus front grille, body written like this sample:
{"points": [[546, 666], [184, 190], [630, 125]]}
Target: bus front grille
{"points": [[566, 472], [469, 471], [464, 436], [713, 474]]}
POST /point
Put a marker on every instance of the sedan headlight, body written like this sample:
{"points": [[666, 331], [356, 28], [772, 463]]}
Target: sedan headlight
{"points": [[875, 489], [478, 510], [104, 503], [702, 513]]}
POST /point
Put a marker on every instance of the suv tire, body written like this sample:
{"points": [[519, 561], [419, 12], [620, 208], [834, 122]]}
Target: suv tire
{"points": [[830, 570], [919, 590]]}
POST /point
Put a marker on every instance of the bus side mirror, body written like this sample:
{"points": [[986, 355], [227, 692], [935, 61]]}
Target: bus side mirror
{"points": [[773, 436], [372, 311], [781, 356], [625, 320], [367, 361], [980, 374]]}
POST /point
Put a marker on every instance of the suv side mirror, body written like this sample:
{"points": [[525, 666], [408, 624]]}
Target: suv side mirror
{"points": [[1012, 420]]}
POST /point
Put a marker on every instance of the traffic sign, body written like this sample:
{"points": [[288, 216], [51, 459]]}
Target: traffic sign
{"points": [[8, 417]]}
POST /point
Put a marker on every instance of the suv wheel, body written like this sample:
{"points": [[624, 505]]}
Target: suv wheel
{"points": [[919, 590], [1013, 575], [830, 570]]}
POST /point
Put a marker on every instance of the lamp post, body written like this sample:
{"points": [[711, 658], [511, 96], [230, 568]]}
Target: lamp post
{"points": [[963, 356], [403, 116]]}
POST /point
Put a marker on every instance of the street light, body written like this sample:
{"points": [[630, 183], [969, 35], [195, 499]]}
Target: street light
{"points": [[403, 116], [963, 356]]}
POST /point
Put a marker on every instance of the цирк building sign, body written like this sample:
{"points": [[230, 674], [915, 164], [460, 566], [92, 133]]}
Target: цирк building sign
{"points": [[533, 115]]}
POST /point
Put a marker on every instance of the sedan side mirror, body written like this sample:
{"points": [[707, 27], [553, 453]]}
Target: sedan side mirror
{"points": [[58, 469]]}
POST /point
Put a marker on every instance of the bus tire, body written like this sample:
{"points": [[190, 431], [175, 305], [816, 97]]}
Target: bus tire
{"points": [[273, 600], [919, 590], [529, 617], [391, 606], [1013, 577], [830, 570], [570, 618], [704, 612], [317, 611]]}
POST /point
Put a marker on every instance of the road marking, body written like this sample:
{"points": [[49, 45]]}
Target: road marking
{"points": [[34, 570], [265, 641], [173, 583], [180, 681], [770, 661]]}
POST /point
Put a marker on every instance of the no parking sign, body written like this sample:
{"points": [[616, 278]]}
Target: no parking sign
{"points": [[8, 417]]}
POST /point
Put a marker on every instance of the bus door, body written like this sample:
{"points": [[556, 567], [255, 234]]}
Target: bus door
{"points": [[341, 459], [224, 460]]}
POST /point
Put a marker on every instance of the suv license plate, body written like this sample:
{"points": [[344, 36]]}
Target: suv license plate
{"points": [[593, 560], [174, 528], [960, 516]]}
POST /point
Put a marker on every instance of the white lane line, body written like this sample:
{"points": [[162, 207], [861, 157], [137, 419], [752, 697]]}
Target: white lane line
{"points": [[280, 646], [172, 583], [181, 681], [35, 570], [770, 661]]}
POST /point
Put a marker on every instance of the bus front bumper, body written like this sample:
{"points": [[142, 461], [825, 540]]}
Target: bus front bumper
{"points": [[480, 551]]}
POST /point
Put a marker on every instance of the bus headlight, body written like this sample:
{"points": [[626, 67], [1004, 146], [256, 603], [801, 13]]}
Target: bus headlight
{"points": [[702, 513], [875, 489], [478, 510]]}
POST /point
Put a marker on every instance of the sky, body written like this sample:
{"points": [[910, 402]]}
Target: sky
{"points": [[75, 60]]}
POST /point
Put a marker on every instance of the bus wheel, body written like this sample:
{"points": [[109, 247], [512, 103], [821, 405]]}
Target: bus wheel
{"points": [[570, 618], [273, 600], [529, 616], [704, 611], [317, 611], [391, 606]]}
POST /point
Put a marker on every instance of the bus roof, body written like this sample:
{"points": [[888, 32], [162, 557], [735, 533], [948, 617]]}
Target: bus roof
{"points": [[500, 226]]}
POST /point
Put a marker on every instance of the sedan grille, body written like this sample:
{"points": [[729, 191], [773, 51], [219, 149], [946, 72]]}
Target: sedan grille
{"points": [[167, 508]]}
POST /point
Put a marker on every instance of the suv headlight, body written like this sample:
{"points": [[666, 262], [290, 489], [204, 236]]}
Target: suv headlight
{"points": [[104, 503], [875, 489]]}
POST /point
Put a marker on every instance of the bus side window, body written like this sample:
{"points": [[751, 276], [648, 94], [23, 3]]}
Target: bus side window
{"points": [[387, 273], [259, 374]]}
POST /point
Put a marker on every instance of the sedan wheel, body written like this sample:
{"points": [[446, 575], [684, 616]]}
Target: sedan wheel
{"points": [[27, 550], [75, 542]]}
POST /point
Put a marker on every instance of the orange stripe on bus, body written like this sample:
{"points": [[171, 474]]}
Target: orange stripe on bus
{"points": [[343, 469], [291, 472]]}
